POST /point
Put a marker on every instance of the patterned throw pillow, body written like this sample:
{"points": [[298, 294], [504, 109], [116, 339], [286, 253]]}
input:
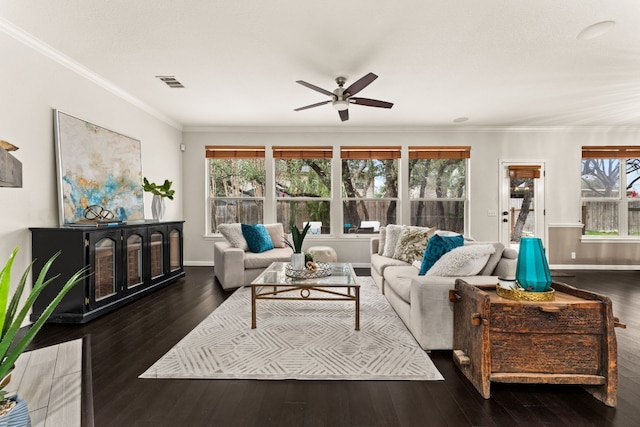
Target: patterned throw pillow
{"points": [[438, 245], [411, 243], [233, 234], [257, 237]]}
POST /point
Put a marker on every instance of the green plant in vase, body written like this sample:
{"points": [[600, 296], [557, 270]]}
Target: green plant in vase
{"points": [[160, 192], [297, 238], [12, 315]]}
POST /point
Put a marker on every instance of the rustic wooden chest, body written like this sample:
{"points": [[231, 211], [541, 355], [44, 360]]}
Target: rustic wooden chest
{"points": [[569, 340]]}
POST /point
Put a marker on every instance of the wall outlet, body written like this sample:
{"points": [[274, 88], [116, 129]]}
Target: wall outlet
{"points": [[573, 255]]}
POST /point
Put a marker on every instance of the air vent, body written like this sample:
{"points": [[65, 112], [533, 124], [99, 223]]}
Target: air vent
{"points": [[170, 81]]}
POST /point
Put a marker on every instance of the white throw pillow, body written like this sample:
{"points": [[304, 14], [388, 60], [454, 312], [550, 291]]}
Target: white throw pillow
{"points": [[233, 234], [462, 261], [276, 231], [382, 239], [393, 234]]}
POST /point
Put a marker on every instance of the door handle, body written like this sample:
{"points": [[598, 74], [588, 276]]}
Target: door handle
{"points": [[505, 220], [505, 213]]}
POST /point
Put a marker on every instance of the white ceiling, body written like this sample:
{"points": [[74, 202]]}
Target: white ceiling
{"points": [[497, 62]]}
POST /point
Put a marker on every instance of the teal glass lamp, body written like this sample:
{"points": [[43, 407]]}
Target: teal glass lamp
{"points": [[532, 269]]}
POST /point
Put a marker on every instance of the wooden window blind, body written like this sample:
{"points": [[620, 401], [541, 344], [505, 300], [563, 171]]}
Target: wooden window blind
{"points": [[302, 152], [524, 171], [233, 152], [367, 153], [440, 152], [610, 152]]}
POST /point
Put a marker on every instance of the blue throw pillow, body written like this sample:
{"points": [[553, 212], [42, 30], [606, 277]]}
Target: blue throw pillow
{"points": [[257, 237], [436, 247]]}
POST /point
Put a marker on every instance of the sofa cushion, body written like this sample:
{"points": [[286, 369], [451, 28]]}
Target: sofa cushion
{"points": [[264, 259], [411, 243], [233, 234], [438, 245], [257, 237], [379, 263], [399, 279], [462, 261], [393, 234], [276, 231]]}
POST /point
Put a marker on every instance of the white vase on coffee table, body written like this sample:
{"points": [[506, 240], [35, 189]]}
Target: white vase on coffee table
{"points": [[297, 261]]}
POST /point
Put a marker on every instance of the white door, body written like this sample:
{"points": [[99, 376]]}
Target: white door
{"points": [[522, 211]]}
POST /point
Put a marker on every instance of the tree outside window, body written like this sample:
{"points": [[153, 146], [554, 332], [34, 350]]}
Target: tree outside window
{"points": [[303, 187], [610, 187], [369, 188], [236, 185], [437, 186]]}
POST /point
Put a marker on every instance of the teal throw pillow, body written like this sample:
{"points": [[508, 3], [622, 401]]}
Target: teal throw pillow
{"points": [[257, 237], [436, 247]]}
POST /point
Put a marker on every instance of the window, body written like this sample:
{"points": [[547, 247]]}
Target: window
{"points": [[369, 187], [610, 188], [437, 186], [303, 187], [236, 185]]}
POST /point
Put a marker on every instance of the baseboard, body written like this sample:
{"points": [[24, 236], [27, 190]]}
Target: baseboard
{"points": [[198, 263], [593, 267]]}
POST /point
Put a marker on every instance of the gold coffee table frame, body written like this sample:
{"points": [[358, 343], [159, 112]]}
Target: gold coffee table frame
{"points": [[274, 284]]}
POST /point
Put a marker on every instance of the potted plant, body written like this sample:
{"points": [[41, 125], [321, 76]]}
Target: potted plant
{"points": [[12, 344], [297, 238], [159, 193]]}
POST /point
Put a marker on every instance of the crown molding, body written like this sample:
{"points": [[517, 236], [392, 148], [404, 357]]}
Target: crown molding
{"points": [[41, 47], [404, 129]]}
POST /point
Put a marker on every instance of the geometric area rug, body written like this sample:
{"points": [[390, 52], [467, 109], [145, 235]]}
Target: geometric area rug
{"points": [[302, 340]]}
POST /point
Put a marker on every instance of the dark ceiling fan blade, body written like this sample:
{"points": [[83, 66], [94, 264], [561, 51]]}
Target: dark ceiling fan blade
{"points": [[358, 85], [314, 87], [312, 105], [371, 102], [344, 115]]}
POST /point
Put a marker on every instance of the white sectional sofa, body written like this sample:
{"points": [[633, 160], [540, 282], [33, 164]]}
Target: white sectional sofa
{"points": [[422, 302]]}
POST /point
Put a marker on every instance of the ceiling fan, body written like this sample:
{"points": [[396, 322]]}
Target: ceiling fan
{"points": [[341, 98]]}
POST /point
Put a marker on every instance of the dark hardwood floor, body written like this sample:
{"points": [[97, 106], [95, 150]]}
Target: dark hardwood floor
{"points": [[126, 342]]}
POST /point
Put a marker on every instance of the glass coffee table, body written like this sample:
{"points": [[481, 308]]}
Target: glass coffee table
{"points": [[275, 284]]}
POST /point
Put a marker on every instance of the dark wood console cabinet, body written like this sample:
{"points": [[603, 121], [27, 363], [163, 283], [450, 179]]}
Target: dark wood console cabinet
{"points": [[126, 262]]}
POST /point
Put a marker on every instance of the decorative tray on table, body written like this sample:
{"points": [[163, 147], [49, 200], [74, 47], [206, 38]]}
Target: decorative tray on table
{"points": [[322, 269]]}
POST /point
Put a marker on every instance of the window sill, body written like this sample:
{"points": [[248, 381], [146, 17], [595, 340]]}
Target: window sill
{"points": [[609, 239]]}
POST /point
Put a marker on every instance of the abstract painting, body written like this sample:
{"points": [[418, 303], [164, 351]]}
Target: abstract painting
{"points": [[96, 166]]}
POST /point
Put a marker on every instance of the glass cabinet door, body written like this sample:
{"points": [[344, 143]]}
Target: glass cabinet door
{"points": [[105, 269], [156, 242], [134, 269], [174, 250]]}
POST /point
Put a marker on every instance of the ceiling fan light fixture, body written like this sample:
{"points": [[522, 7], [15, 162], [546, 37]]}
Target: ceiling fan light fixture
{"points": [[341, 104]]}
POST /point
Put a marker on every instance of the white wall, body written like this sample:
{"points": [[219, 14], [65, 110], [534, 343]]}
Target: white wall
{"points": [[559, 148], [31, 86]]}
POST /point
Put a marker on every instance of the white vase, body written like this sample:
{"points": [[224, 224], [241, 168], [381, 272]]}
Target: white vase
{"points": [[297, 261], [157, 207]]}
